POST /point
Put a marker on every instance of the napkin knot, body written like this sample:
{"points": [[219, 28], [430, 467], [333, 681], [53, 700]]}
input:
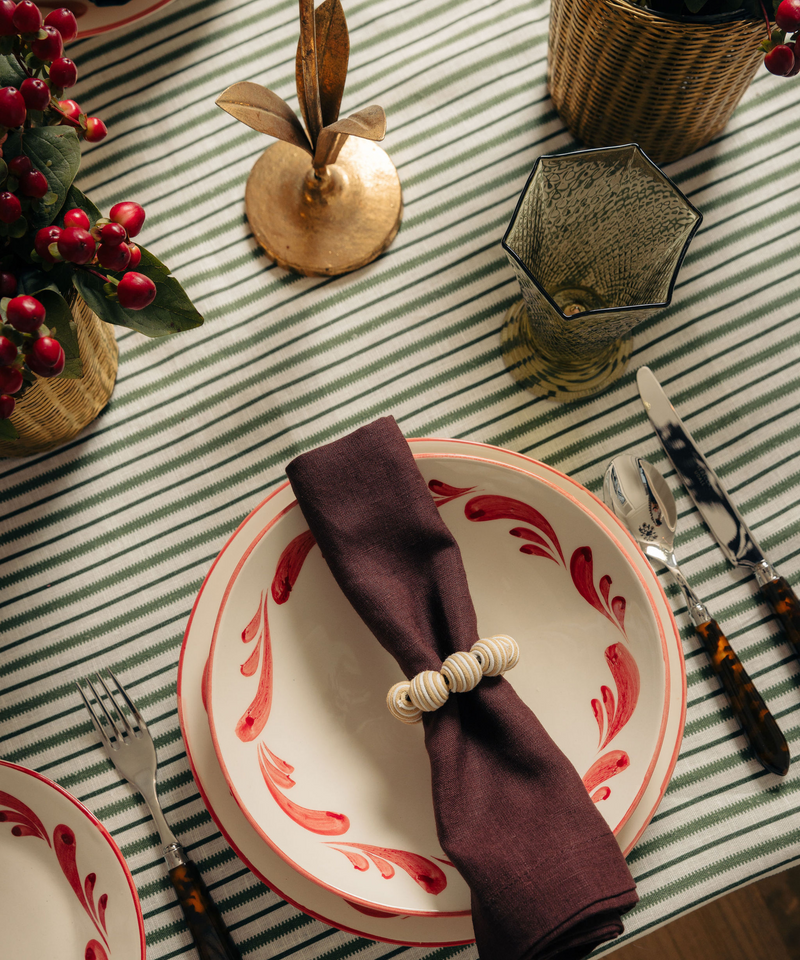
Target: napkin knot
{"points": [[461, 671]]}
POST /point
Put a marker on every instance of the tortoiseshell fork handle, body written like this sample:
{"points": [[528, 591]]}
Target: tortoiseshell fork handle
{"points": [[757, 723], [204, 920], [786, 607]]}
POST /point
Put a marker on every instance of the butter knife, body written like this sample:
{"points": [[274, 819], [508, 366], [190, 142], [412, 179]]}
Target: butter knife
{"points": [[715, 505]]}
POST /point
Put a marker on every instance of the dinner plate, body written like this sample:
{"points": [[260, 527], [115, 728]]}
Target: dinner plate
{"points": [[93, 20], [297, 683], [414, 930], [65, 890]]}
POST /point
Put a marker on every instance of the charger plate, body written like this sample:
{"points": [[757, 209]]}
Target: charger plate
{"points": [[65, 890], [297, 683], [262, 860]]}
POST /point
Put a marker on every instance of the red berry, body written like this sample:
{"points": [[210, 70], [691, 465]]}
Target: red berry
{"points": [[129, 214], [796, 54], [51, 47], [114, 258], [71, 111], [76, 218], [33, 184], [7, 8], [26, 314], [12, 107], [35, 93], [27, 17], [76, 245], [136, 291], [780, 60], [19, 165], [63, 73], [8, 284], [10, 380], [47, 351], [8, 352], [112, 233], [64, 21], [787, 16], [96, 130], [7, 405], [44, 238], [10, 207], [42, 369], [136, 255]]}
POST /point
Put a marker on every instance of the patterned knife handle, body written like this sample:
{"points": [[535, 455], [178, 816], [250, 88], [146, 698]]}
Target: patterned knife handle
{"points": [[204, 920], [786, 607], [757, 723]]}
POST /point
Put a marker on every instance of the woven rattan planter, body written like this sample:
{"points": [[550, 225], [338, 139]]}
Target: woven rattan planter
{"points": [[55, 411], [621, 74]]}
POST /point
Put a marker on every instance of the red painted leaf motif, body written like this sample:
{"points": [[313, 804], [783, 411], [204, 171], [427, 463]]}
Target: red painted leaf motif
{"points": [[102, 904], [602, 794], [289, 566], [423, 871], [604, 768], [323, 822], [95, 951], [29, 824], [64, 845], [492, 507], [599, 717], [443, 493], [249, 667], [252, 628], [252, 721], [582, 572], [626, 676], [359, 862], [618, 609]]}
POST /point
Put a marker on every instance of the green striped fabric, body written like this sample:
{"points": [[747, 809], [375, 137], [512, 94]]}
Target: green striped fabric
{"points": [[107, 540]]}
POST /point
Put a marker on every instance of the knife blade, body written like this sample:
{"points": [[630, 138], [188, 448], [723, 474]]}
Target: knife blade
{"points": [[719, 512]]}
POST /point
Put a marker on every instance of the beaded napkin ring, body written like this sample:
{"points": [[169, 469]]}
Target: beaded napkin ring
{"points": [[409, 699]]}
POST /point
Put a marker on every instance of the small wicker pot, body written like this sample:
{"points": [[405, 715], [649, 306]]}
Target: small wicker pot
{"points": [[55, 411], [621, 74]]}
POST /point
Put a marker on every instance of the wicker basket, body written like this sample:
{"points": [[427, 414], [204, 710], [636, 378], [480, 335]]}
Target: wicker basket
{"points": [[55, 411], [621, 74]]}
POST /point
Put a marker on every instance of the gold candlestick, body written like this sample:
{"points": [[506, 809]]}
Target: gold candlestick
{"points": [[325, 199]]}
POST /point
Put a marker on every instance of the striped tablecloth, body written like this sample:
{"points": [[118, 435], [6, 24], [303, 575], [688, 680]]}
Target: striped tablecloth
{"points": [[105, 542]]}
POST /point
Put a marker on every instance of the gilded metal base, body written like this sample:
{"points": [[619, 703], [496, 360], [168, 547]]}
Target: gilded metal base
{"points": [[329, 224], [548, 376]]}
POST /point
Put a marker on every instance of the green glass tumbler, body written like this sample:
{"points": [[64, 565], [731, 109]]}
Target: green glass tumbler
{"points": [[596, 241]]}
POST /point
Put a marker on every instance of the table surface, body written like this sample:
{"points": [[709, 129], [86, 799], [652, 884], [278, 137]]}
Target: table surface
{"points": [[106, 541]]}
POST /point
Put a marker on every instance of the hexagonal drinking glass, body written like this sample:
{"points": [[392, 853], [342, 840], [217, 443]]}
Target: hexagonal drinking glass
{"points": [[596, 242]]}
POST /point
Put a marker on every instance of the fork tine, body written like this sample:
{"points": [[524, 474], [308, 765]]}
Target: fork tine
{"points": [[112, 722], [131, 705], [126, 723], [93, 717]]}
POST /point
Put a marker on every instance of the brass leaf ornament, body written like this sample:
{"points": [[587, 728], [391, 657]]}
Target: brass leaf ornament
{"points": [[323, 54], [324, 199]]}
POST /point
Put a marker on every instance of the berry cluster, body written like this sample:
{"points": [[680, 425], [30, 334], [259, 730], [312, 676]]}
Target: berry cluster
{"points": [[24, 339], [782, 51], [38, 46]]}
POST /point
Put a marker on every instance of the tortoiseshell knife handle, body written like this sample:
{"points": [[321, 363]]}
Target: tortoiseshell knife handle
{"points": [[211, 936], [786, 607], [757, 723]]}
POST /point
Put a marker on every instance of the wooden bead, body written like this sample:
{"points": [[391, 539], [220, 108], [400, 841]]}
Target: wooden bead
{"points": [[461, 672], [496, 655], [400, 705], [428, 690]]}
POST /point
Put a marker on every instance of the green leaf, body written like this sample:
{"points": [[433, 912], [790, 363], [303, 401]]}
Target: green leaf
{"points": [[170, 312], [11, 73], [59, 320], [8, 431], [76, 198], [56, 152]]}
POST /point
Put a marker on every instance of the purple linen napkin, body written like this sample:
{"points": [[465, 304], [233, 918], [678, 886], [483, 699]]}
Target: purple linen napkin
{"points": [[547, 877]]}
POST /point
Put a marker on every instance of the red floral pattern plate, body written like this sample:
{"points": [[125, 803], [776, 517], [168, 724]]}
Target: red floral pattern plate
{"points": [[297, 684], [65, 890], [258, 856]]}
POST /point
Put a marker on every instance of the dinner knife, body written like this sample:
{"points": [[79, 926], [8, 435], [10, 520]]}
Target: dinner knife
{"points": [[715, 505]]}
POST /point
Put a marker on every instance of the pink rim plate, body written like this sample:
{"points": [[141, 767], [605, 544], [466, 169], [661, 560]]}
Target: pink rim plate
{"points": [[258, 856]]}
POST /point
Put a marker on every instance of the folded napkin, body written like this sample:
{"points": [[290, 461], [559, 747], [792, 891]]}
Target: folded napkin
{"points": [[547, 877]]}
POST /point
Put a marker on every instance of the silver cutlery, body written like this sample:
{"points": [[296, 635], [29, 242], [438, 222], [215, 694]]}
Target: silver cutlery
{"points": [[130, 748], [639, 496], [715, 505]]}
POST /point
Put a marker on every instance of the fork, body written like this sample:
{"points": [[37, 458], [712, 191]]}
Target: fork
{"points": [[132, 751]]}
